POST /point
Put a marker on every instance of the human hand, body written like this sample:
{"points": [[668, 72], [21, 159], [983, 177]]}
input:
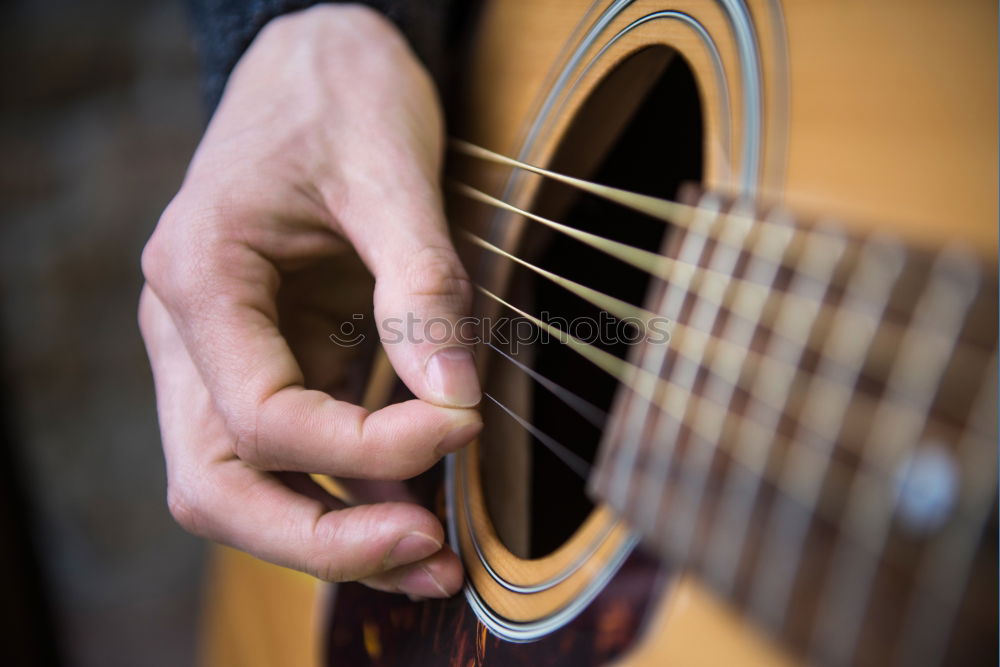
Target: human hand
{"points": [[328, 138]]}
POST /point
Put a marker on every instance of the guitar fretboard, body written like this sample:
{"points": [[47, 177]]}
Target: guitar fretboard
{"points": [[822, 445]]}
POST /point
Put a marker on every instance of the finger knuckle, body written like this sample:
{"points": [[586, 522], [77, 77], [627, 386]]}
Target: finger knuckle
{"points": [[326, 532], [166, 265], [325, 568], [437, 272], [191, 241], [186, 510]]}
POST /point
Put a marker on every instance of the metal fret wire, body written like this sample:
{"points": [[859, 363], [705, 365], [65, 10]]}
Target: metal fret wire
{"points": [[918, 372], [694, 243], [823, 260], [870, 286], [692, 246], [704, 315], [721, 559], [662, 456], [955, 550]]}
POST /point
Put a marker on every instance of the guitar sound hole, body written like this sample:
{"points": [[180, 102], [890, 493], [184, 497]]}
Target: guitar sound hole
{"points": [[641, 130]]}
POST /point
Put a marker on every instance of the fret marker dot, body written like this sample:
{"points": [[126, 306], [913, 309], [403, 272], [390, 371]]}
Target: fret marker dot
{"points": [[926, 486]]}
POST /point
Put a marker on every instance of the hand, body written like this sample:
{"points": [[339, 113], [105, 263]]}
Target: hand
{"points": [[328, 138]]}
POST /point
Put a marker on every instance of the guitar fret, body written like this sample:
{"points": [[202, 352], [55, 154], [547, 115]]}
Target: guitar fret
{"points": [[677, 535], [647, 513], [690, 250], [670, 399], [722, 554], [820, 256], [915, 374], [825, 408]]}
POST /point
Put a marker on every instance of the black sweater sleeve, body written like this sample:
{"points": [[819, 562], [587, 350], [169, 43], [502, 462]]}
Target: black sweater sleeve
{"points": [[225, 28]]}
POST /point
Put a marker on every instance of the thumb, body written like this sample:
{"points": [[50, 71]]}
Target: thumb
{"points": [[422, 299]]}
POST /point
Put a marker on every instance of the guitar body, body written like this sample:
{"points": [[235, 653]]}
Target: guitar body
{"points": [[881, 116]]}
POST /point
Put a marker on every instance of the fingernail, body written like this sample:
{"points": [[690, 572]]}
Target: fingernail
{"points": [[421, 583], [451, 374], [458, 438], [411, 548]]}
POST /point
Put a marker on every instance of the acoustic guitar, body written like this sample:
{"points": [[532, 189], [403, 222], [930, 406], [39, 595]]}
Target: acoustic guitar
{"points": [[739, 263]]}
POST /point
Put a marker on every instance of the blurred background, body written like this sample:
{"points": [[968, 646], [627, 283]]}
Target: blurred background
{"points": [[101, 111]]}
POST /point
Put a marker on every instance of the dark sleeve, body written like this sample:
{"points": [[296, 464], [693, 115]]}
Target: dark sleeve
{"points": [[225, 28]]}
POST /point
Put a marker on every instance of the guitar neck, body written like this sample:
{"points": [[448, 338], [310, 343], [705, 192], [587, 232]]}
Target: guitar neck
{"points": [[818, 440]]}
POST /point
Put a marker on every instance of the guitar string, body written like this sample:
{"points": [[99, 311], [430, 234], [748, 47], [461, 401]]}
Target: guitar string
{"points": [[639, 258], [620, 309], [728, 372], [683, 272], [593, 414], [648, 260], [652, 263], [698, 337], [572, 460], [660, 209], [664, 210]]}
